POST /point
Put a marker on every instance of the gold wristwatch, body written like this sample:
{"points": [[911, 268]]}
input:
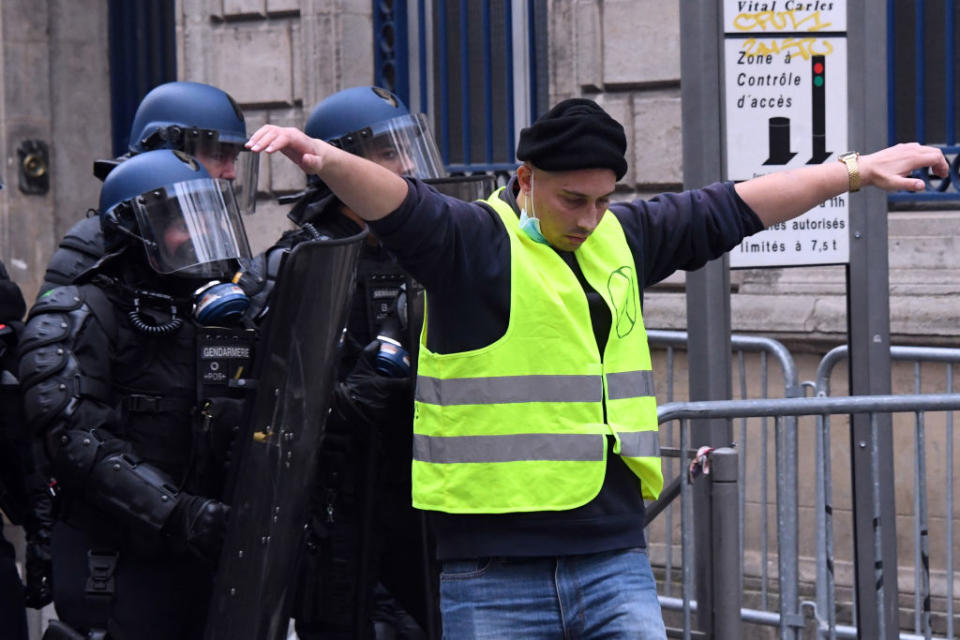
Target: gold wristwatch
{"points": [[852, 160]]}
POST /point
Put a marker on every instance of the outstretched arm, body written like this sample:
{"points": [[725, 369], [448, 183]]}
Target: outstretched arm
{"points": [[786, 194], [369, 189]]}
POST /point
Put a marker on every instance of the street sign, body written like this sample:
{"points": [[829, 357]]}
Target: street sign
{"points": [[785, 107]]}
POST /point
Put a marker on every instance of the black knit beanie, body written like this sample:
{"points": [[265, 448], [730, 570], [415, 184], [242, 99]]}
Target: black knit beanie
{"points": [[576, 134]]}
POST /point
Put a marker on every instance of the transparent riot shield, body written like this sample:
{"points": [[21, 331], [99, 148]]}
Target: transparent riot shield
{"points": [[468, 188], [295, 369]]}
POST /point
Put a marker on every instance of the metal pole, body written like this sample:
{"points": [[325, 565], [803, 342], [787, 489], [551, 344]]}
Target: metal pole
{"points": [[709, 287], [868, 313], [727, 590]]}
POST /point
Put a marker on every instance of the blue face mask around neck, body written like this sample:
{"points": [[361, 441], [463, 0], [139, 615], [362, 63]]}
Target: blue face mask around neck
{"points": [[531, 225]]}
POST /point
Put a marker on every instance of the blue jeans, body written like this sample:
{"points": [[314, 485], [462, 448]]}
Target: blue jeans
{"points": [[600, 595]]}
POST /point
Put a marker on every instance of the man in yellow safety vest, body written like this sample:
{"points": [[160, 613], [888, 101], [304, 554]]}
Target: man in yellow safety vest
{"points": [[535, 432]]}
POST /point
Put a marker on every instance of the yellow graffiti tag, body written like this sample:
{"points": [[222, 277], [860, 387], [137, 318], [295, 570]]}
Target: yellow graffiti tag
{"points": [[803, 47], [780, 21]]}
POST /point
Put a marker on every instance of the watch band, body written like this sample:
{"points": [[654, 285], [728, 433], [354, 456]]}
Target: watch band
{"points": [[852, 161]]}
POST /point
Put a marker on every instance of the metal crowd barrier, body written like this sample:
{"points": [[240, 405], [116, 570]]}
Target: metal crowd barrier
{"points": [[825, 597], [787, 558], [782, 411], [822, 612]]}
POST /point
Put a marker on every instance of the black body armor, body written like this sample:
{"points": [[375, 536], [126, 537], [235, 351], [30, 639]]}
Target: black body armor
{"points": [[78, 251], [131, 433]]}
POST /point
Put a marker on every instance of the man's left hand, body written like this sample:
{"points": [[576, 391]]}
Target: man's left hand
{"points": [[888, 168]]}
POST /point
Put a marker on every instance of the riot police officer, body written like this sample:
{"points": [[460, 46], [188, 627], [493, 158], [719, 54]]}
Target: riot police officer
{"points": [[134, 410], [198, 119], [351, 585]]}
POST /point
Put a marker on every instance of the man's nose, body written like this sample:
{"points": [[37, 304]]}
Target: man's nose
{"points": [[407, 165], [228, 170], [591, 218]]}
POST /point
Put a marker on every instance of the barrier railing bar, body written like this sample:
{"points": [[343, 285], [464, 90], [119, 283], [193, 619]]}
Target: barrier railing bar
{"points": [[921, 547], [670, 465], [742, 460], [772, 619], [808, 406], [927, 354], [825, 577], [747, 343], [686, 538], [917, 614], [764, 521], [949, 509], [878, 527]]}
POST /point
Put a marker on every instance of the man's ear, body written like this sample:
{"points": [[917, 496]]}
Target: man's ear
{"points": [[524, 173]]}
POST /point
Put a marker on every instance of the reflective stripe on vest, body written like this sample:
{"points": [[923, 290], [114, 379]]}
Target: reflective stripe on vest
{"points": [[537, 388], [522, 424], [528, 446]]}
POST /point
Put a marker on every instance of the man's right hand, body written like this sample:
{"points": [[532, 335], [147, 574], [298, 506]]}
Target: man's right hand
{"points": [[371, 190], [303, 150], [199, 524]]}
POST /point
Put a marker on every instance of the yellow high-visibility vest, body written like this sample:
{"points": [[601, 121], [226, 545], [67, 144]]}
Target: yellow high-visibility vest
{"points": [[518, 425]]}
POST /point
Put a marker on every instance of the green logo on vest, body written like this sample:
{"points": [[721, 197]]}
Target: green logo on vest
{"points": [[621, 289]]}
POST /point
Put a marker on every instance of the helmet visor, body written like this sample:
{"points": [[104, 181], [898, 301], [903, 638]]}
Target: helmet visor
{"points": [[192, 228], [245, 184], [229, 161], [404, 145]]}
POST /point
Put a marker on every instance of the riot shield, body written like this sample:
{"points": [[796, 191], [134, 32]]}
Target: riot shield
{"points": [[295, 369]]}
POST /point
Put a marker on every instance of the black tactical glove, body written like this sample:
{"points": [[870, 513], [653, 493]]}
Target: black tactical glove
{"points": [[38, 592], [38, 524], [368, 396], [198, 524]]}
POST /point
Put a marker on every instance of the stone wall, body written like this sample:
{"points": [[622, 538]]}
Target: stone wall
{"points": [[626, 55], [55, 90]]}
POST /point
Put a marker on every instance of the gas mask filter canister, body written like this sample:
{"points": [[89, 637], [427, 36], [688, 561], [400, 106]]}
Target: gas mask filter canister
{"points": [[219, 304]]}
